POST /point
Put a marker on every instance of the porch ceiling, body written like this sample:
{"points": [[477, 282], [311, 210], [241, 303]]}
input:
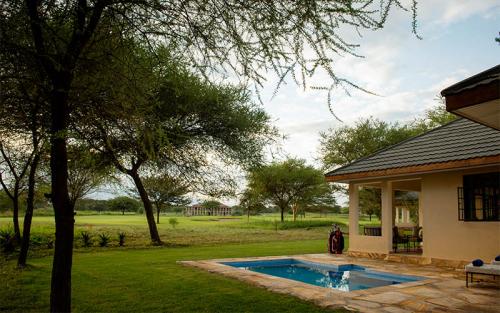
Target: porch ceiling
{"points": [[402, 185], [407, 185]]}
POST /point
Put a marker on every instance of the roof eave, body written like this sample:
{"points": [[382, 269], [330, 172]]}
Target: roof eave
{"points": [[416, 169], [473, 81]]}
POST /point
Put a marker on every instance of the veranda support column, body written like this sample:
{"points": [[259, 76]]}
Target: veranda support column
{"points": [[353, 210], [387, 213], [420, 212]]}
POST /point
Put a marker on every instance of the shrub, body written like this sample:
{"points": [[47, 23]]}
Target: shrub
{"points": [[304, 224], [103, 240], [86, 239], [7, 240], [39, 240], [173, 222], [121, 239], [36, 240], [43, 212], [237, 211], [50, 242], [276, 225]]}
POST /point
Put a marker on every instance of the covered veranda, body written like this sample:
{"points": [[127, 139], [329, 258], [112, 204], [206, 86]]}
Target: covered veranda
{"points": [[388, 237]]}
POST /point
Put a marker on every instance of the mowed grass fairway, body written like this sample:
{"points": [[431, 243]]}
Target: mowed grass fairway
{"points": [[142, 278], [196, 230]]}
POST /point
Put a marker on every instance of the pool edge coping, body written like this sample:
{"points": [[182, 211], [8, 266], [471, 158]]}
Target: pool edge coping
{"points": [[319, 295]]}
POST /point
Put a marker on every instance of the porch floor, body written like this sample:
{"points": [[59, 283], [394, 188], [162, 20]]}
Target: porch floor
{"points": [[443, 291]]}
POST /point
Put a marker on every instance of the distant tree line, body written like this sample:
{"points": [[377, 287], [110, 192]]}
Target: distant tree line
{"points": [[122, 204]]}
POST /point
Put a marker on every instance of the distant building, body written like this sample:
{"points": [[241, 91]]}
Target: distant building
{"points": [[201, 210], [402, 207]]}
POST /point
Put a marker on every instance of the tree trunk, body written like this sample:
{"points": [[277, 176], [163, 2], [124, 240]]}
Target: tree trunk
{"points": [[158, 209], [15, 217], [60, 296], [282, 215], [295, 211], [248, 215], [148, 208], [30, 203], [370, 217]]}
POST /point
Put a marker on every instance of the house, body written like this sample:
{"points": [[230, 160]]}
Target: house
{"points": [[217, 209], [454, 169], [477, 98]]}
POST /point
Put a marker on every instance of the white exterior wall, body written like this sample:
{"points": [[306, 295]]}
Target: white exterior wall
{"points": [[445, 237], [372, 244]]}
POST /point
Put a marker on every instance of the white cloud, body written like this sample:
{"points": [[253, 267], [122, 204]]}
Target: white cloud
{"points": [[406, 90], [453, 11]]}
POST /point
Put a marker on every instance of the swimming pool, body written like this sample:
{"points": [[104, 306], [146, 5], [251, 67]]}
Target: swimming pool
{"points": [[345, 277]]}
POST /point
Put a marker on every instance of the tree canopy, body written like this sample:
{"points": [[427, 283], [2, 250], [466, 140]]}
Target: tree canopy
{"points": [[288, 185], [61, 40], [166, 190], [178, 122], [341, 146], [124, 204], [88, 170]]}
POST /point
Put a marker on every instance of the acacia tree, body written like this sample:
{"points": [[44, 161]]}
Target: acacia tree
{"points": [[370, 201], [88, 170], [244, 37], [21, 159], [14, 164], [323, 202], [252, 203], [166, 190], [176, 120], [124, 204], [23, 103], [288, 184]]}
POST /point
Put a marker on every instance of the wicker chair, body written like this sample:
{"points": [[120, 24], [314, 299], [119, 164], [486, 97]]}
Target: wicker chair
{"points": [[416, 237], [398, 239]]}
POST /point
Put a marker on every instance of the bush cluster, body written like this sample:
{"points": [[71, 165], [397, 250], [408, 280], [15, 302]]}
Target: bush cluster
{"points": [[7, 240], [173, 222], [40, 240], [303, 224], [103, 239]]}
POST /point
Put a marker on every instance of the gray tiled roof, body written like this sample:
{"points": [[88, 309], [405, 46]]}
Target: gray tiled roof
{"points": [[459, 140]]}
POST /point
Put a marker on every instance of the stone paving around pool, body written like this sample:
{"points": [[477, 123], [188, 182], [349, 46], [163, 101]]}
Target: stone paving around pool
{"points": [[443, 291]]}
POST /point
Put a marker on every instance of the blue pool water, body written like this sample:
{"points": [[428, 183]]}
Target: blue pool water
{"points": [[347, 277]]}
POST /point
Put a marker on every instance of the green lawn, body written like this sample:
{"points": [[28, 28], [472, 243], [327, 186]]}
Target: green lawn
{"points": [[140, 277], [149, 280], [194, 231]]}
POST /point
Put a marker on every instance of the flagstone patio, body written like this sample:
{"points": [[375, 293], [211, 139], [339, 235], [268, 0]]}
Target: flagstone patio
{"points": [[443, 291]]}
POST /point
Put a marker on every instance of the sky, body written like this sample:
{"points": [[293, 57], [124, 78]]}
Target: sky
{"points": [[407, 73]]}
